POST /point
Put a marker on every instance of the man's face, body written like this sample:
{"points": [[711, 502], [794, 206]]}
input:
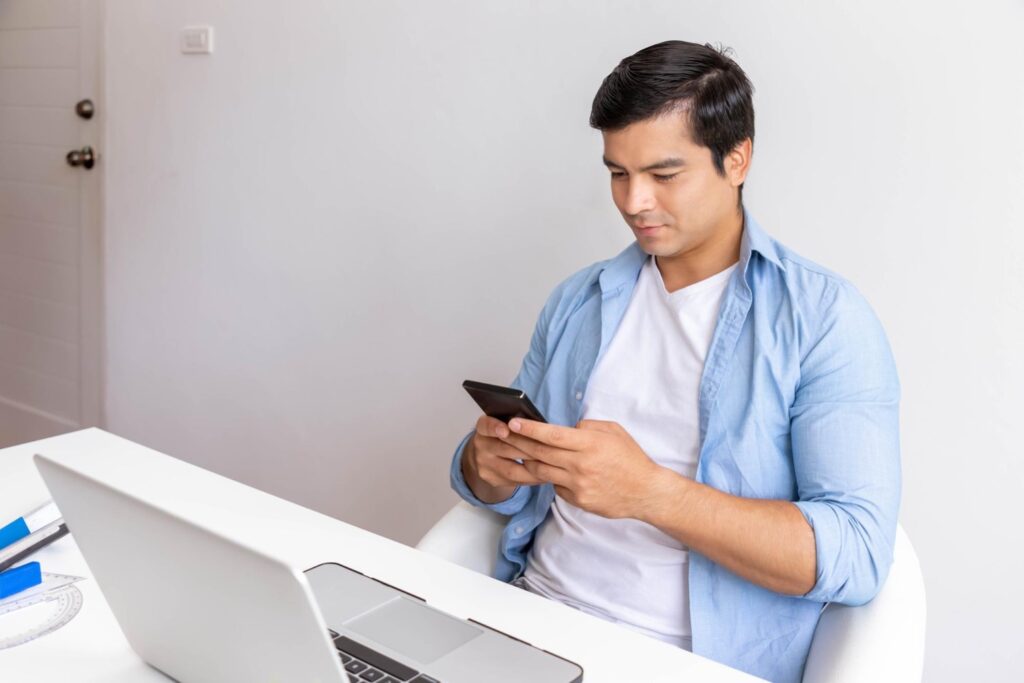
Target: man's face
{"points": [[684, 194]]}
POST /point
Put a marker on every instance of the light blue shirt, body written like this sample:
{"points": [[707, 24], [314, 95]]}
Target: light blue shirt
{"points": [[799, 401]]}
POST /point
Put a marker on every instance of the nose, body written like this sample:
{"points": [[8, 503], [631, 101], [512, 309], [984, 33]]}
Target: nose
{"points": [[639, 197]]}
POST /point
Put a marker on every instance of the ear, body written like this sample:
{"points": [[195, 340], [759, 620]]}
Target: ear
{"points": [[737, 162]]}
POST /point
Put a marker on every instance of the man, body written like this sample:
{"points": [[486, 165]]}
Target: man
{"points": [[736, 466]]}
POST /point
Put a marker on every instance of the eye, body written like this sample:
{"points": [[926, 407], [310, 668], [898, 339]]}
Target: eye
{"points": [[660, 178]]}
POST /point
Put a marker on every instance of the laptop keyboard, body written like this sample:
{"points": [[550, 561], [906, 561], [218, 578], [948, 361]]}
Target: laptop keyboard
{"points": [[369, 666]]}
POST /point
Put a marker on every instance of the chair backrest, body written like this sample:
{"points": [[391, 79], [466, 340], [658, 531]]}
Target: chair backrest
{"points": [[880, 641], [468, 536]]}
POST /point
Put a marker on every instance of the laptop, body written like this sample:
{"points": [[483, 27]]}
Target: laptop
{"points": [[201, 606]]}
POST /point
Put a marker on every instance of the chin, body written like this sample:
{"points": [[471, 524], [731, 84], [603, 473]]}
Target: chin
{"points": [[658, 247]]}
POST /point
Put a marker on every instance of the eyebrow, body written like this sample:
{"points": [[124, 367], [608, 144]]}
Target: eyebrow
{"points": [[671, 162]]}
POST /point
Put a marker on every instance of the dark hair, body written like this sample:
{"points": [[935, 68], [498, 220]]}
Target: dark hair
{"points": [[676, 75]]}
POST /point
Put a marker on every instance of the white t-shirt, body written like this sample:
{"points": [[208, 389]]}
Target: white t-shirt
{"points": [[648, 380]]}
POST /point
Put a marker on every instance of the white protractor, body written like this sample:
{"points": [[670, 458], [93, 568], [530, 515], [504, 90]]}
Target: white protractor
{"points": [[39, 610]]}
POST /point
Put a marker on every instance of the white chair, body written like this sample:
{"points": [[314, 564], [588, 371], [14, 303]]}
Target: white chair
{"points": [[880, 641]]}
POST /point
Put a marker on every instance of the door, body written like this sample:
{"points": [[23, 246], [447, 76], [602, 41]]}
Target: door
{"points": [[49, 218]]}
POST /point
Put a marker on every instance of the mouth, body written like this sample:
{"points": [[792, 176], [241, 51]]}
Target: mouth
{"points": [[647, 229]]}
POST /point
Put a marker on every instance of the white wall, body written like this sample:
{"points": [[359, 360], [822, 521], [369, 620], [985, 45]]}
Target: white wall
{"points": [[315, 234]]}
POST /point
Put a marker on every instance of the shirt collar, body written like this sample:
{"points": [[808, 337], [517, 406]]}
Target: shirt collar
{"points": [[625, 268], [756, 239]]}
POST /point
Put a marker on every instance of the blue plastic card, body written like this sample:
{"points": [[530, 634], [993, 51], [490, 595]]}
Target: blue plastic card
{"points": [[13, 531], [18, 579]]}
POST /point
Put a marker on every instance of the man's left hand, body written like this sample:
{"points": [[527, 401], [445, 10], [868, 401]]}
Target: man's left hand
{"points": [[596, 466]]}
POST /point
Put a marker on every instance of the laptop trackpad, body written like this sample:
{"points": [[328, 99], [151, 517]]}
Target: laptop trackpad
{"points": [[413, 629]]}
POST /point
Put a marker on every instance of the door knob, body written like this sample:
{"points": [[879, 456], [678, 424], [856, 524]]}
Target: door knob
{"points": [[85, 109], [81, 157]]}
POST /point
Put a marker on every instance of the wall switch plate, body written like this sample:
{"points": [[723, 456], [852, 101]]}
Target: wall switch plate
{"points": [[197, 40]]}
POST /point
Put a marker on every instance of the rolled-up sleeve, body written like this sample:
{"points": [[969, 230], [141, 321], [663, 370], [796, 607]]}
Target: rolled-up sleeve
{"points": [[531, 371], [845, 441]]}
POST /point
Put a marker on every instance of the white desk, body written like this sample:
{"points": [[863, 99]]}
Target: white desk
{"points": [[92, 647]]}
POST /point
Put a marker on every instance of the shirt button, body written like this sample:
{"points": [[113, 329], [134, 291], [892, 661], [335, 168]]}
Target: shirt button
{"points": [[579, 395], [519, 530]]}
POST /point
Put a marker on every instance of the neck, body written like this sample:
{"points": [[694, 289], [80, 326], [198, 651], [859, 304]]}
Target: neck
{"points": [[711, 256]]}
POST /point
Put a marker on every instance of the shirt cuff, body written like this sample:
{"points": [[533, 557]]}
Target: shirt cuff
{"points": [[509, 506], [842, 574]]}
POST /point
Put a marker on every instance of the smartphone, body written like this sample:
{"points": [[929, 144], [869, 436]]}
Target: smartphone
{"points": [[502, 403]]}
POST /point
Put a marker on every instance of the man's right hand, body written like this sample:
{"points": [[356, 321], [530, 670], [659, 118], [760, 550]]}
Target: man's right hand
{"points": [[489, 464]]}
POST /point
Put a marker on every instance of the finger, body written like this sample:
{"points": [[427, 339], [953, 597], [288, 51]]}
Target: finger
{"points": [[499, 449], [491, 426], [566, 438], [548, 473], [515, 473], [536, 450]]}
